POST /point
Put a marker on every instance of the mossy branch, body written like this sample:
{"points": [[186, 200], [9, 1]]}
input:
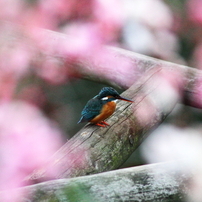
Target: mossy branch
{"points": [[143, 183]]}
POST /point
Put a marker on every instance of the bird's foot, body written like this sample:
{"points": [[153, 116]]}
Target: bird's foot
{"points": [[99, 124], [105, 123], [102, 124]]}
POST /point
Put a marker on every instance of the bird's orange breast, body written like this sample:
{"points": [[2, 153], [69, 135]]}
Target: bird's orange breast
{"points": [[107, 110]]}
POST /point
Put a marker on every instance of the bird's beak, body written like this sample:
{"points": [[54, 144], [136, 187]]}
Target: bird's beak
{"points": [[124, 99]]}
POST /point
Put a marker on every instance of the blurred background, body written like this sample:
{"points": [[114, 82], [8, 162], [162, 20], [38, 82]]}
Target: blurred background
{"points": [[167, 30], [170, 31]]}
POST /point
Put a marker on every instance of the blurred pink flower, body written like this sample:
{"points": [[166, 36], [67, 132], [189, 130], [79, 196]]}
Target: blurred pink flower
{"points": [[82, 38], [109, 18], [47, 14], [194, 11], [15, 59], [52, 70], [85, 30], [27, 140], [11, 10], [56, 8]]}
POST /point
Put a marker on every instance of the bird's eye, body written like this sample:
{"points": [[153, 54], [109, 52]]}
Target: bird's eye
{"points": [[105, 98]]}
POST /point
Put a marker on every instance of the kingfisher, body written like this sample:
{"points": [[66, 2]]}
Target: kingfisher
{"points": [[101, 107]]}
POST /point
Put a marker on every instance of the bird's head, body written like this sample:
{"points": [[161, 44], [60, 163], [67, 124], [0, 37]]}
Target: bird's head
{"points": [[110, 94]]}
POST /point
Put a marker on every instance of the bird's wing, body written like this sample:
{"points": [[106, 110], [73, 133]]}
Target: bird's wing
{"points": [[91, 110]]}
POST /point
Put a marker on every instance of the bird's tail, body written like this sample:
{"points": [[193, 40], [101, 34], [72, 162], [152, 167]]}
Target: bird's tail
{"points": [[82, 119]]}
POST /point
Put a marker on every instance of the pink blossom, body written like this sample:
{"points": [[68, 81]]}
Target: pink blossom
{"points": [[109, 17], [15, 59], [52, 70], [194, 9], [82, 38], [58, 9], [11, 10], [27, 140], [50, 14]]}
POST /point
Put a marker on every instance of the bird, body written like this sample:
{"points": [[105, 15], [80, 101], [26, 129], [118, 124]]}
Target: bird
{"points": [[101, 107]]}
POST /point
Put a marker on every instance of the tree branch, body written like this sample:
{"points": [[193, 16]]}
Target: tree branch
{"points": [[143, 183], [107, 148], [115, 66]]}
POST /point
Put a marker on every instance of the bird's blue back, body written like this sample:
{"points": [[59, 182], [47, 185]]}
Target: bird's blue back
{"points": [[95, 105], [92, 109]]}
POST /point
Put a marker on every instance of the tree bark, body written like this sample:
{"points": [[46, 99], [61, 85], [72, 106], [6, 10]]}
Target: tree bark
{"points": [[148, 183]]}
